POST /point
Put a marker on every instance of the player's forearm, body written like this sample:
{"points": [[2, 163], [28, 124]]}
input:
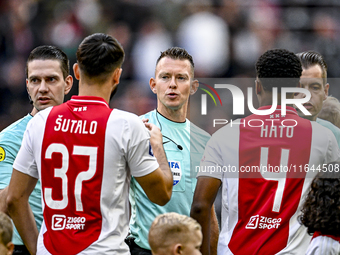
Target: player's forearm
{"points": [[159, 153], [157, 185], [214, 230], [23, 218], [201, 213]]}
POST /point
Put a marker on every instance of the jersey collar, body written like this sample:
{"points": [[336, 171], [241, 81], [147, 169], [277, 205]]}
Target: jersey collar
{"points": [[318, 233], [289, 109], [89, 99]]}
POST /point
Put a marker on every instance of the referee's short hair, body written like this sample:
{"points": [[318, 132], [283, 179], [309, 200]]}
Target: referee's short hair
{"points": [[177, 53], [49, 52], [311, 58]]}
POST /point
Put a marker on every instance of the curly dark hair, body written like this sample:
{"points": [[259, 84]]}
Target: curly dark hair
{"points": [[321, 209], [273, 65]]}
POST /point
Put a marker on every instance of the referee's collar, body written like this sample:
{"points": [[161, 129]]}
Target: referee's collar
{"points": [[169, 122]]}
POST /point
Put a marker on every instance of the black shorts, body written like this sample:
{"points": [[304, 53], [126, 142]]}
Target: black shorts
{"points": [[20, 250], [135, 249]]}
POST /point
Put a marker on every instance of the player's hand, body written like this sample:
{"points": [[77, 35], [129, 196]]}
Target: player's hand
{"points": [[145, 120], [156, 138]]}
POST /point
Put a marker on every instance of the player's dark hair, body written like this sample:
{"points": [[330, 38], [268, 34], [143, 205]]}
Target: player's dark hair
{"points": [[48, 52], [98, 55], [177, 53], [311, 58], [278, 68], [321, 209]]}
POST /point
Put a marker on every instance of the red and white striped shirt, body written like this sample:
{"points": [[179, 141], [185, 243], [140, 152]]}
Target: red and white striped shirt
{"points": [[266, 164], [85, 153]]}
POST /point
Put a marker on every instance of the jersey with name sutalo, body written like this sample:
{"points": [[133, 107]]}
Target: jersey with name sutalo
{"points": [[266, 164], [85, 153]]}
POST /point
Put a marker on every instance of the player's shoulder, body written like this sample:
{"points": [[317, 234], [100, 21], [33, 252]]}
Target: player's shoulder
{"points": [[229, 130], [322, 128], [124, 115], [149, 115], [37, 124], [329, 125], [41, 116], [323, 245], [322, 135], [194, 129], [226, 136], [125, 118]]}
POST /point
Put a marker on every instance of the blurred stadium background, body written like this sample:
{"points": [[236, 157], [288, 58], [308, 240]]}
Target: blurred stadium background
{"points": [[225, 38]]}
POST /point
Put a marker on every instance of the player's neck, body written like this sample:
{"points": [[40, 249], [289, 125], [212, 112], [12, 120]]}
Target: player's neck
{"points": [[267, 99], [103, 91]]}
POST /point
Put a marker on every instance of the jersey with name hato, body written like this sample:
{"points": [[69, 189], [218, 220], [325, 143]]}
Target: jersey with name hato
{"points": [[84, 153], [266, 164]]}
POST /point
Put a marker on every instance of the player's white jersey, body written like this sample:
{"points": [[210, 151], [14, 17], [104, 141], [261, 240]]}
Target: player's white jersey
{"points": [[85, 153], [266, 164], [324, 245]]}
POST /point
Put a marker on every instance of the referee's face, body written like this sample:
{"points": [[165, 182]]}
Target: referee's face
{"points": [[46, 84], [312, 80], [172, 83]]}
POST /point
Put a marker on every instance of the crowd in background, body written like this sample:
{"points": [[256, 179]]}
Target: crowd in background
{"points": [[225, 37]]}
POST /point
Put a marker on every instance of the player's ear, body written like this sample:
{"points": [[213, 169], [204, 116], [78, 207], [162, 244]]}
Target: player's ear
{"points": [[76, 71], [299, 85], [177, 249], [152, 84], [194, 86], [326, 90], [27, 86], [10, 248], [69, 83], [258, 86], [116, 75]]}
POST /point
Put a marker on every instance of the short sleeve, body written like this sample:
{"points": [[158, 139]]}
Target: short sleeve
{"points": [[211, 160], [140, 158], [8, 152]]}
